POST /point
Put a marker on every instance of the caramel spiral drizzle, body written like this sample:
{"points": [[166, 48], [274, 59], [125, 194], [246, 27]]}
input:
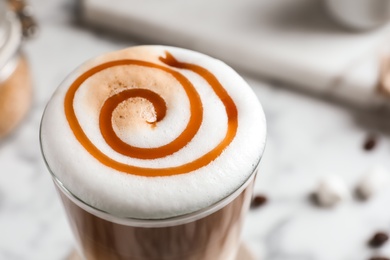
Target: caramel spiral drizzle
{"points": [[193, 125]]}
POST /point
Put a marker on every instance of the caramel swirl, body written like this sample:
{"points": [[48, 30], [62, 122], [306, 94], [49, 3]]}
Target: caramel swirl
{"points": [[192, 127]]}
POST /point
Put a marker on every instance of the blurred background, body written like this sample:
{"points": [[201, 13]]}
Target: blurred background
{"points": [[319, 67]]}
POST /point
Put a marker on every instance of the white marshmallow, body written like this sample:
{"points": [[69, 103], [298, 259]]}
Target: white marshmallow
{"points": [[330, 191], [372, 182]]}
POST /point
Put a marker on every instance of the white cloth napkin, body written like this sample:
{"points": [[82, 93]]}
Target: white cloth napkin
{"points": [[292, 41]]}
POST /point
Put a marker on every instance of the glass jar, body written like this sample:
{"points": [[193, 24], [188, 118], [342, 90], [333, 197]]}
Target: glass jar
{"points": [[15, 79]]}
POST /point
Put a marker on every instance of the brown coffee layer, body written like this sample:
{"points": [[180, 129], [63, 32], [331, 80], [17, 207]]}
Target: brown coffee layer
{"points": [[214, 237]]}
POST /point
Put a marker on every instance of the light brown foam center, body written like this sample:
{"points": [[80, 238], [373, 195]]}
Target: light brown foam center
{"points": [[132, 113]]}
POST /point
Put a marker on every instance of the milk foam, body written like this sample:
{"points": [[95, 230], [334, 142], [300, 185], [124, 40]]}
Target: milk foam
{"points": [[136, 196]]}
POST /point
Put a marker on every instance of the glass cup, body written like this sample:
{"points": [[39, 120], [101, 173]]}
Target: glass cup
{"points": [[15, 78], [211, 233]]}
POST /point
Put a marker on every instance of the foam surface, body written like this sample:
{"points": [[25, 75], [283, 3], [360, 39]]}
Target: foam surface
{"points": [[131, 194]]}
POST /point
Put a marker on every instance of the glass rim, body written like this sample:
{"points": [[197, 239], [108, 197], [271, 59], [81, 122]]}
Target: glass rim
{"points": [[11, 39]]}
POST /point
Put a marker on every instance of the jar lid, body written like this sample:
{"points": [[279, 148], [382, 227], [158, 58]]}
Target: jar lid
{"points": [[10, 34]]}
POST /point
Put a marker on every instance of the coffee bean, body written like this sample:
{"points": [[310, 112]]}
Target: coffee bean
{"points": [[313, 198], [378, 239], [370, 143], [258, 201]]}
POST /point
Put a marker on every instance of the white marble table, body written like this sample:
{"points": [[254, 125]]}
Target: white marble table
{"points": [[308, 138]]}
